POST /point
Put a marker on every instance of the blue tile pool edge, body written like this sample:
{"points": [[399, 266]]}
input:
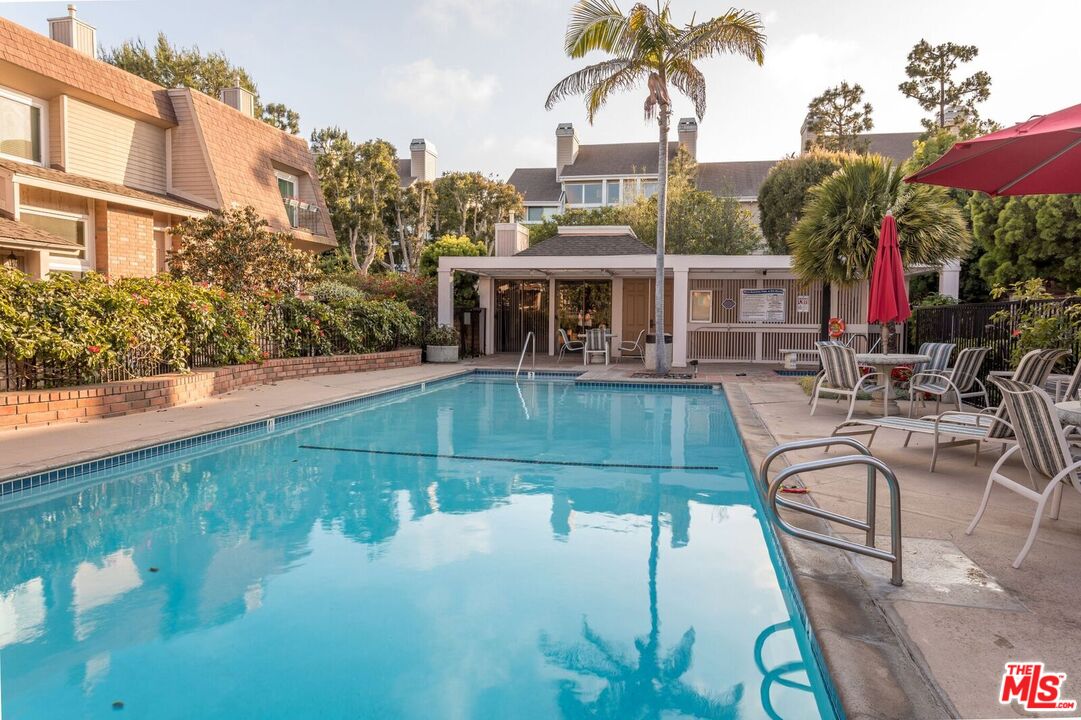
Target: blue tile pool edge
{"points": [[84, 468]]}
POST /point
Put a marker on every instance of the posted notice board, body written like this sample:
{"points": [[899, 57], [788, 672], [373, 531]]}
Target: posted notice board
{"points": [[762, 305]]}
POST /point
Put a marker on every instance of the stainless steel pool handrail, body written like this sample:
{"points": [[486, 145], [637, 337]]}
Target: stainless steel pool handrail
{"points": [[530, 337], [874, 466]]}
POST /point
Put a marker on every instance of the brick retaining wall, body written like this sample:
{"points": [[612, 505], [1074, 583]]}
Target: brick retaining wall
{"points": [[77, 404]]}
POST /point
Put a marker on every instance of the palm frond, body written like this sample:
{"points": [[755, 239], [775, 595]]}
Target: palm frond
{"points": [[737, 32], [594, 25], [690, 81], [596, 82]]}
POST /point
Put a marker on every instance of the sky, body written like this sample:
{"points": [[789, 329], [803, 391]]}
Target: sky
{"points": [[472, 76]]}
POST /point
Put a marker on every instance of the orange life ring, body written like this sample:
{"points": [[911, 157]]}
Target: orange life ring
{"points": [[836, 327]]}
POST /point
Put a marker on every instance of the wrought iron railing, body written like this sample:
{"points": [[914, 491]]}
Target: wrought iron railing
{"points": [[302, 215]]}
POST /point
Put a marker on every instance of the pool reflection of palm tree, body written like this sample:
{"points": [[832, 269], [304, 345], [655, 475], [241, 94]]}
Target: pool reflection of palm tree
{"points": [[642, 687]]}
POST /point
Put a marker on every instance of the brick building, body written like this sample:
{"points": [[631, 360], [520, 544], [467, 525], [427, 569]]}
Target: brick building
{"points": [[96, 164]]}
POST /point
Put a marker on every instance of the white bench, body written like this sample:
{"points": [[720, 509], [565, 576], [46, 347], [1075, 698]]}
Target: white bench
{"points": [[790, 357]]}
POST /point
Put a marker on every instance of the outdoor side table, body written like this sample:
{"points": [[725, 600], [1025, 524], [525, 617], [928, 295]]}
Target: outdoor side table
{"points": [[885, 363], [1069, 412]]}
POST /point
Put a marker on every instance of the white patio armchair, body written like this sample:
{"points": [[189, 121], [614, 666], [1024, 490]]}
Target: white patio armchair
{"points": [[1045, 449], [596, 344], [633, 349], [567, 345], [961, 381], [842, 377]]}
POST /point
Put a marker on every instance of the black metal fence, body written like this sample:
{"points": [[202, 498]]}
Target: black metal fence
{"points": [[470, 324]]}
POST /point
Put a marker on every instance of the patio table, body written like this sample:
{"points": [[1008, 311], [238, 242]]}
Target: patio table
{"points": [[1069, 412], [884, 363], [1055, 384]]}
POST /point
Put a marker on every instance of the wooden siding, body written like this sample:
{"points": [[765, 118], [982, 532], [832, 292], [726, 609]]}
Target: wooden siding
{"points": [[107, 146], [52, 200], [57, 156], [190, 173]]}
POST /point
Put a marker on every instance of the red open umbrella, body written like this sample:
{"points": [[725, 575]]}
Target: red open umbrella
{"points": [[1041, 156], [889, 296]]}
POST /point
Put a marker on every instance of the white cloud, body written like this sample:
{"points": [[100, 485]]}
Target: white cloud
{"points": [[426, 88], [485, 15]]}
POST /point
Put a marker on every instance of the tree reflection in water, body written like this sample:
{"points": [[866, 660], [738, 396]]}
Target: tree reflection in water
{"points": [[645, 686]]}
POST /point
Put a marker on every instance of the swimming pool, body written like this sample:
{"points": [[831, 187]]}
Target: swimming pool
{"points": [[472, 548]]}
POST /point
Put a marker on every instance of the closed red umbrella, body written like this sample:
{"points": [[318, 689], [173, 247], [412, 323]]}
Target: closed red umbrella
{"points": [[889, 296], [1041, 156]]}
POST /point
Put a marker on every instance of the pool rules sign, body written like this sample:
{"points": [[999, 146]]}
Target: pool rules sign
{"points": [[762, 305]]}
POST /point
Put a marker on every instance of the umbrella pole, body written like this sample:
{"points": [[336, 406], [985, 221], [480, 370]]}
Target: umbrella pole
{"points": [[884, 334]]}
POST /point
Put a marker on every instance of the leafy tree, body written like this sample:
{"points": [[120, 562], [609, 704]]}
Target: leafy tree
{"points": [[836, 239], [931, 83], [468, 203], [465, 286], [361, 186], [171, 66], [1028, 237], [644, 45], [414, 215], [235, 250], [838, 117], [606, 215], [784, 192]]}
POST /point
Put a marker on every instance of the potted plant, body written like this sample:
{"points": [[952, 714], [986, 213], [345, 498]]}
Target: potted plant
{"points": [[442, 344]]}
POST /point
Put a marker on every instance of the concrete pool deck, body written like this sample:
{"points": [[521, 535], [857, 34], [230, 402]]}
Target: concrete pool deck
{"points": [[934, 648]]}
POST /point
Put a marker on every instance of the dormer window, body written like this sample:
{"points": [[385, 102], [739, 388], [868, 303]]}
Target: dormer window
{"points": [[22, 127], [287, 186]]}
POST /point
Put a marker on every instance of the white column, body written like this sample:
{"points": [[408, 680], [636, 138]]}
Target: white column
{"points": [[680, 298], [949, 280], [553, 325], [485, 290], [617, 314], [445, 293]]}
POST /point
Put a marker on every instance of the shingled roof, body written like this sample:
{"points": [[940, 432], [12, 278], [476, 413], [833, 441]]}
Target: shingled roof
{"points": [[734, 179], [578, 241], [536, 184], [25, 235], [617, 159], [896, 146]]}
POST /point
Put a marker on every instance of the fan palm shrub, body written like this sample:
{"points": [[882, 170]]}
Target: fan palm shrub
{"points": [[646, 46]]}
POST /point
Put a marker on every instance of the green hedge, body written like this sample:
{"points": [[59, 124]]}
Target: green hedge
{"points": [[68, 331]]}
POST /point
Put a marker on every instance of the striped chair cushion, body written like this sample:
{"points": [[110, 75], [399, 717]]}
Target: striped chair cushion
{"points": [[1033, 369], [967, 368], [940, 357], [1039, 432], [839, 365], [595, 339], [1074, 387]]}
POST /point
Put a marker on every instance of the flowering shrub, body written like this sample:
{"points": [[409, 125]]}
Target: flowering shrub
{"points": [[65, 330], [1037, 325], [418, 292]]}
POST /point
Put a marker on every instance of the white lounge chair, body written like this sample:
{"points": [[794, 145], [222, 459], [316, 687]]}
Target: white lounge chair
{"points": [[596, 344], [1045, 450], [963, 428], [961, 381], [842, 376], [633, 349], [567, 345]]}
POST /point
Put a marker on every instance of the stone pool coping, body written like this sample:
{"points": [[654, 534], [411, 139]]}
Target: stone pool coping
{"points": [[876, 672]]}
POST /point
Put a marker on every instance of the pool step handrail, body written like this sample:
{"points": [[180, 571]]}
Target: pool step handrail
{"points": [[875, 467], [529, 338]]}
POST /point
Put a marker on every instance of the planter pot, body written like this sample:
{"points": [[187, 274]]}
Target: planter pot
{"points": [[651, 351], [442, 353]]}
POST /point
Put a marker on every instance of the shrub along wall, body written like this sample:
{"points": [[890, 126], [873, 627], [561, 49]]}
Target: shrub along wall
{"points": [[64, 331]]}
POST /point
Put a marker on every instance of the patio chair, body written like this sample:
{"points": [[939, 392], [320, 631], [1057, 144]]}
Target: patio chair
{"points": [[633, 349], [567, 345], [596, 344], [842, 376], [939, 354], [963, 428], [1073, 388], [822, 373], [961, 381], [1045, 450]]}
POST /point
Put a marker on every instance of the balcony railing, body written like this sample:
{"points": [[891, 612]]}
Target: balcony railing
{"points": [[303, 216]]}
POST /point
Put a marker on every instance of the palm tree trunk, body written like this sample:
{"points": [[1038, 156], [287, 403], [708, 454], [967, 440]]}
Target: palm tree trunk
{"points": [[662, 212]]}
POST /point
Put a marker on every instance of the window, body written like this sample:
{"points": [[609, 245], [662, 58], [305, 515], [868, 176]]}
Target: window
{"points": [[584, 193], [613, 192], [701, 306], [69, 227], [534, 214], [21, 127], [287, 186], [649, 188]]}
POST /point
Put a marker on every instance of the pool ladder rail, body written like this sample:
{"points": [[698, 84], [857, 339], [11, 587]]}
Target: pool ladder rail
{"points": [[530, 338], [874, 468]]}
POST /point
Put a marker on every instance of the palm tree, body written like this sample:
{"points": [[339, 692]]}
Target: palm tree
{"points": [[645, 45], [837, 235]]}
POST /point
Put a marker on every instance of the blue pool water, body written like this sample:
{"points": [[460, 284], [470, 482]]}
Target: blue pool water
{"points": [[535, 551]]}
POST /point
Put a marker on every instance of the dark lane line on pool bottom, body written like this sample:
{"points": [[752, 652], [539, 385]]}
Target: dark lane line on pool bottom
{"points": [[523, 461]]}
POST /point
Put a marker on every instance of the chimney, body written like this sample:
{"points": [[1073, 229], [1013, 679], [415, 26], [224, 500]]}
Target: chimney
{"points": [[238, 98], [807, 136], [566, 146], [74, 33], [510, 239], [422, 160], [688, 135]]}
